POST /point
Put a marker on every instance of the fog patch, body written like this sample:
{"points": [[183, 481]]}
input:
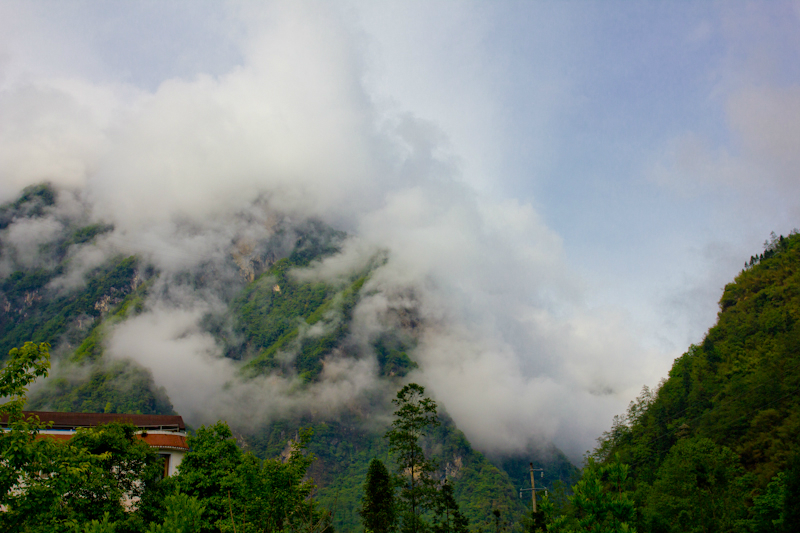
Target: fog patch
{"points": [[208, 179]]}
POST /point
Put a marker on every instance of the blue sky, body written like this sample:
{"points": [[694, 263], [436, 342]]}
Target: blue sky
{"points": [[648, 147], [572, 106]]}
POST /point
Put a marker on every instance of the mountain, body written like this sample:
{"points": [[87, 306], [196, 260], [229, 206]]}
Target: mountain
{"points": [[279, 338], [715, 445]]}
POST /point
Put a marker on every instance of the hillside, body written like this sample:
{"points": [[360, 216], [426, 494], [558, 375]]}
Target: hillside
{"points": [[715, 445], [266, 320]]}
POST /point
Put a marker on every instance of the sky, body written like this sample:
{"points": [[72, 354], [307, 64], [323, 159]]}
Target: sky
{"points": [[577, 181]]}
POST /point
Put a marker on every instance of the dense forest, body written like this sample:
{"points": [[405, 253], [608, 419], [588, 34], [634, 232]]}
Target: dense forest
{"points": [[714, 447]]}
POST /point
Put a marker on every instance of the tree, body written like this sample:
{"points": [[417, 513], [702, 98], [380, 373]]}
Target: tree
{"points": [[102, 471], [106, 479], [182, 515], [600, 502], [377, 506], [537, 522], [768, 508], [18, 444], [24, 365], [125, 472], [414, 415], [244, 494], [699, 487], [48, 485], [272, 495], [791, 500], [496, 513], [207, 471], [448, 518]]}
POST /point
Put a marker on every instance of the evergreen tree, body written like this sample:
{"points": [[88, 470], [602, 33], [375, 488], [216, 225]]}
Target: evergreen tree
{"points": [[537, 522], [182, 514], [377, 506], [415, 414]]}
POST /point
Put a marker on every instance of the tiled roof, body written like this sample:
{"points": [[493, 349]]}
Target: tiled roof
{"points": [[160, 440], [155, 440], [82, 420]]}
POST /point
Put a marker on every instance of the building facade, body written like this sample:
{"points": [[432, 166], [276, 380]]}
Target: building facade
{"points": [[165, 433]]}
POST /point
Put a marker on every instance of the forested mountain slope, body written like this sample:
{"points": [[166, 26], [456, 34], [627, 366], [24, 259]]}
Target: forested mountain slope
{"points": [[716, 445], [265, 320]]}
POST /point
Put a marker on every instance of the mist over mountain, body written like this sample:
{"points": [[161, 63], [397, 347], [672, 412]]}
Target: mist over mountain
{"points": [[219, 173], [290, 324]]}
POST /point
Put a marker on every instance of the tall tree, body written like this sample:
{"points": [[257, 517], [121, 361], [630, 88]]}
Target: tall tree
{"points": [[415, 414], [377, 506], [791, 500], [207, 472]]}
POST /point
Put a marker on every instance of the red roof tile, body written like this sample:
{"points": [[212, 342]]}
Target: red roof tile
{"points": [[159, 440]]}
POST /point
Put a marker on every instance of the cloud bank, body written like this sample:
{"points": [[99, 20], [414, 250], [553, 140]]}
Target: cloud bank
{"points": [[185, 170]]}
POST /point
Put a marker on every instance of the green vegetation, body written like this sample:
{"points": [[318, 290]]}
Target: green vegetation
{"points": [[275, 314], [31, 203], [600, 501], [106, 479], [392, 357], [345, 448], [377, 505], [24, 365], [422, 503], [714, 447], [87, 233], [34, 315], [115, 387], [446, 516], [49, 485], [244, 493], [270, 307], [415, 413]]}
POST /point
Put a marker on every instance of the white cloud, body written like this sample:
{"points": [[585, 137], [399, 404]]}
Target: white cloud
{"points": [[507, 345]]}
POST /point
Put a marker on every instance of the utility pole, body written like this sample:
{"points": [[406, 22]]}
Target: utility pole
{"points": [[533, 486]]}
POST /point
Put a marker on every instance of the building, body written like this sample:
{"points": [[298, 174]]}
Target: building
{"points": [[165, 433]]}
